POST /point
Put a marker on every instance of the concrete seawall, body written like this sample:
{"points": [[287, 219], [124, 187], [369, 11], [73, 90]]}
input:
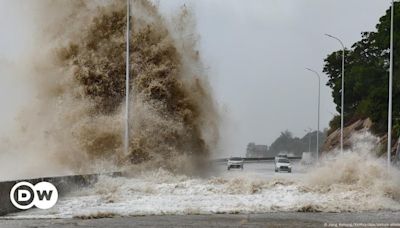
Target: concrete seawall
{"points": [[64, 184]]}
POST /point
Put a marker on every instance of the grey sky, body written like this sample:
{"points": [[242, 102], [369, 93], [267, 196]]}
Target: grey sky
{"points": [[256, 52]]}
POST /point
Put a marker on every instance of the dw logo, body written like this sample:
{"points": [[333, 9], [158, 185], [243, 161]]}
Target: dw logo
{"points": [[25, 195]]}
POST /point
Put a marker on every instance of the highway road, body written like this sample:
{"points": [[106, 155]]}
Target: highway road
{"points": [[278, 219], [264, 168]]}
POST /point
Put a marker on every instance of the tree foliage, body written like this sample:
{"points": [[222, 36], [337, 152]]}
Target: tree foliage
{"points": [[288, 144], [366, 75]]}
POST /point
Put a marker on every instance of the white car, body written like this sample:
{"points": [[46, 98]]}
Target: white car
{"points": [[280, 156], [283, 164], [235, 162]]}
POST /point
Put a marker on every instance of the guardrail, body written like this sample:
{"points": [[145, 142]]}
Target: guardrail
{"points": [[256, 159]]}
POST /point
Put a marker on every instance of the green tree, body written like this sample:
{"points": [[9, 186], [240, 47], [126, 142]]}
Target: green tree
{"points": [[366, 75]]}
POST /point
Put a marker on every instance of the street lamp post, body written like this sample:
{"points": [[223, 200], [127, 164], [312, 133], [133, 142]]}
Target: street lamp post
{"points": [[389, 133], [319, 102], [342, 101], [126, 140]]}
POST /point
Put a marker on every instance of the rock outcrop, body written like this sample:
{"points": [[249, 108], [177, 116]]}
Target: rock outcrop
{"points": [[333, 140]]}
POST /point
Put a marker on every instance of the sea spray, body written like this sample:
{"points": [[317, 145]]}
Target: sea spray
{"points": [[353, 182], [357, 174], [75, 121]]}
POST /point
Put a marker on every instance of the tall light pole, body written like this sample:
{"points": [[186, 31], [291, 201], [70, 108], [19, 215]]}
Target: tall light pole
{"points": [[319, 101], [126, 140], [389, 144], [342, 102]]}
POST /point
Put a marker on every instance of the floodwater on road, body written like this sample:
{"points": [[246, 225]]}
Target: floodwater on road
{"points": [[256, 189]]}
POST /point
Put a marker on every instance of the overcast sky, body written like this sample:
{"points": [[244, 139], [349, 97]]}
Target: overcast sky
{"points": [[256, 52]]}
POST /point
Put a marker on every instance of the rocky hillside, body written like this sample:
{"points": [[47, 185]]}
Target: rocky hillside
{"points": [[333, 140]]}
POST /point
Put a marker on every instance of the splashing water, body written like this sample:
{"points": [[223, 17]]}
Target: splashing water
{"points": [[352, 182], [78, 69], [75, 125]]}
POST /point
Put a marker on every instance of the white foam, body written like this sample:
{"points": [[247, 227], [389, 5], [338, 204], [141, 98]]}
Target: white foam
{"points": [[355, 181]]}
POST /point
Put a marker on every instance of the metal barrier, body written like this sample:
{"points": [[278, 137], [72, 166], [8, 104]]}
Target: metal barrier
{"points": [[256, 159]]}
